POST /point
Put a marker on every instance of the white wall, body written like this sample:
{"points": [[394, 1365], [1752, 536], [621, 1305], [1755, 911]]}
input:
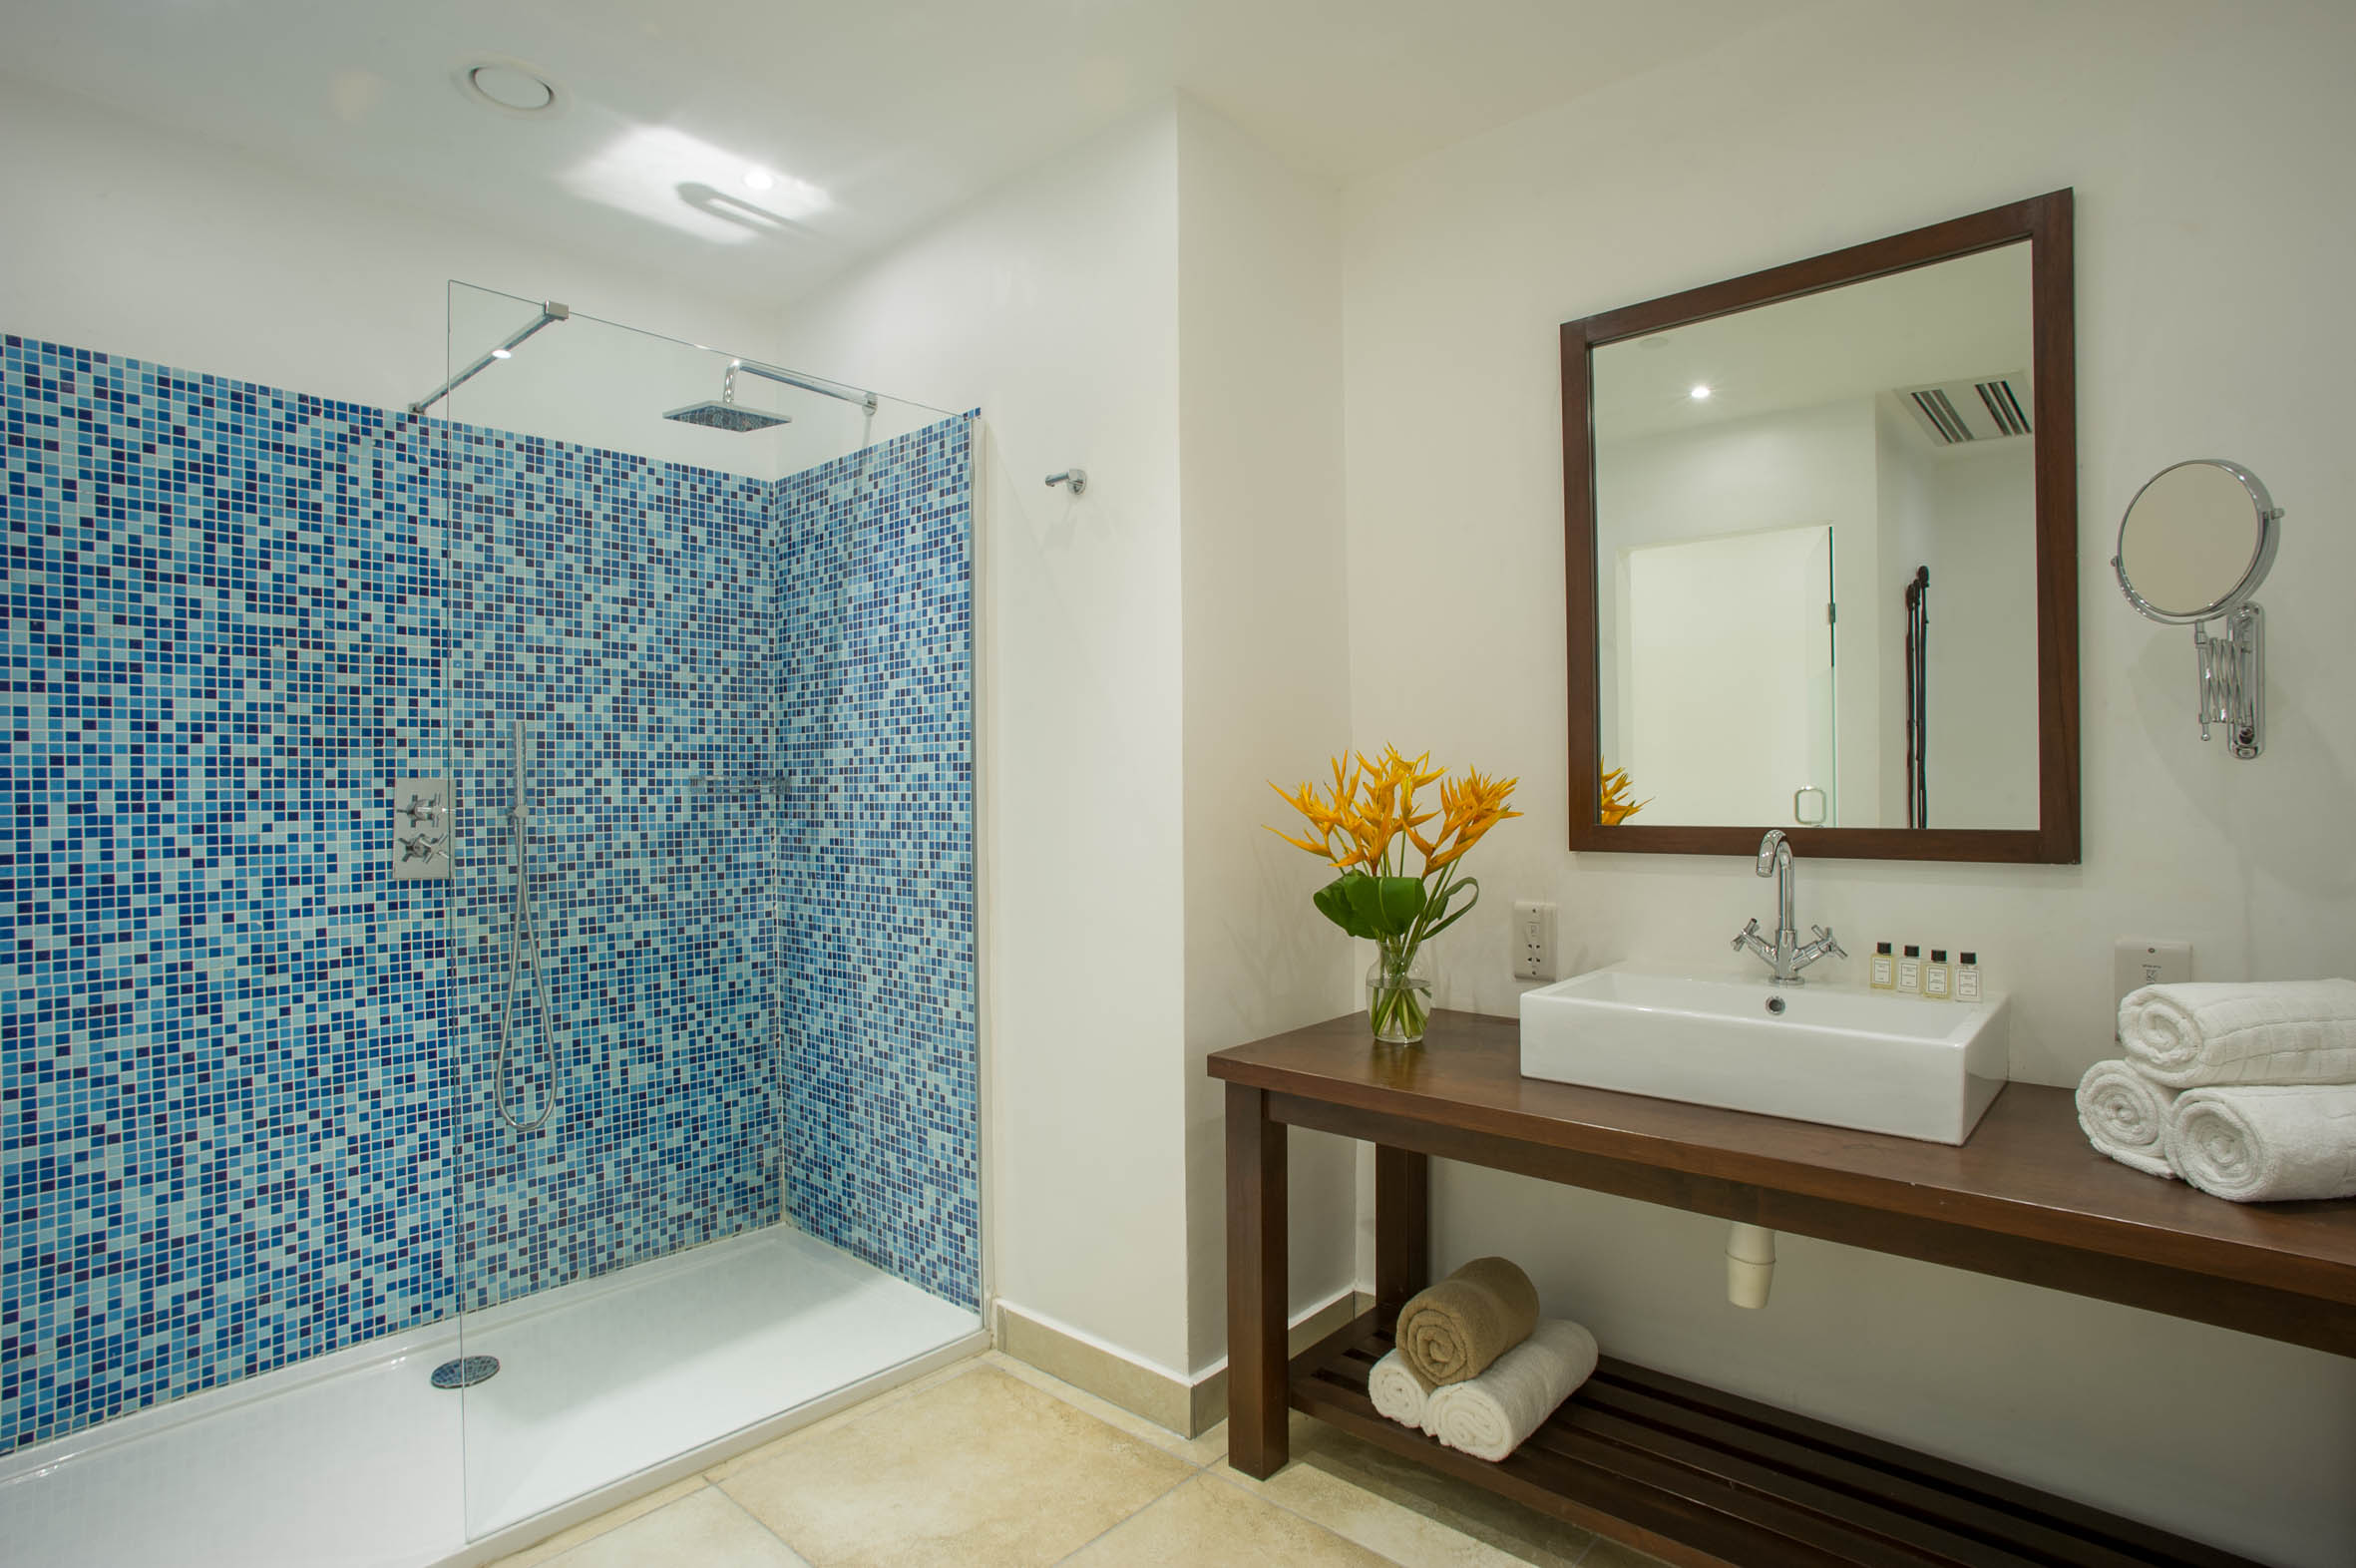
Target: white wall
{"points": [[1267, 638], [1902, 480], [1052, 306], [155, 246], [2193, 339], [1983, 637], [1698, 620], [1159, 307], [1791, 468]]}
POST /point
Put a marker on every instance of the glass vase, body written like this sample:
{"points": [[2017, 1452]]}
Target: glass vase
{"points": [[1399, 992]]}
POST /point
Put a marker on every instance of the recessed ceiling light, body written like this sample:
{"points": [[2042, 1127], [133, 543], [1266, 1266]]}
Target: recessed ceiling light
{"points": [[510, 86], [1699, 394], [760, 178]]}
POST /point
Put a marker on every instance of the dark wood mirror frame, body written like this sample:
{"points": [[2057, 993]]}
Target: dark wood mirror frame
{"points": [[2044, 222]]}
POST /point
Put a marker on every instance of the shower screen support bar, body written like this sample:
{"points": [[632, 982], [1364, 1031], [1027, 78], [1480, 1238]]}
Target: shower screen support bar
{"points": [[551, 311], [753, 367]]}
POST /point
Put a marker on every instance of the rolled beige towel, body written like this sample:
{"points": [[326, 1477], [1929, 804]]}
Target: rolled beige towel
{"points": [[1455, 1329], [2124, 1115]]}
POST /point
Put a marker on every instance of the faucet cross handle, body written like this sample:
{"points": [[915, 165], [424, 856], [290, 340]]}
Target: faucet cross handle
{"points": [[1746, 934], [1827, 943]]}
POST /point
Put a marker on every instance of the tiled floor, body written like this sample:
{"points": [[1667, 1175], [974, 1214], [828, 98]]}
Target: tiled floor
{"points": [[994, 1464]]}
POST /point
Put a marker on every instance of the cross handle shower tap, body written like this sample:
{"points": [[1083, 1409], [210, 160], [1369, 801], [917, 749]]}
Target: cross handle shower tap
{"points": [[1786, 956]]}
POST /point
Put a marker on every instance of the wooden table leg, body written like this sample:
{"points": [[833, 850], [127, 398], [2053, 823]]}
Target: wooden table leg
{"points": [[1402, 1228], [1256, 1369]]}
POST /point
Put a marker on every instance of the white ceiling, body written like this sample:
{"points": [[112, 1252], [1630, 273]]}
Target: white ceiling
{"points": [[896, 110]]}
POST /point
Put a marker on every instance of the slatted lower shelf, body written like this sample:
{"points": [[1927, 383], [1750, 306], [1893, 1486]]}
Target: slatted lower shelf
{"points": [[1702, 1478]]}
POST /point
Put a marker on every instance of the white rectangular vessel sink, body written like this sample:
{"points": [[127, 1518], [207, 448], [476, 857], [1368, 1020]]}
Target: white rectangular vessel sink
{"points": [[1838, 1055]]}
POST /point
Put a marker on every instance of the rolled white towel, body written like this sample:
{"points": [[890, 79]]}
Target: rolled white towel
{"points": [[1399, 1390], [2266, 1143], [1488, 1417], [2124, 1115], [2195, 1035]]}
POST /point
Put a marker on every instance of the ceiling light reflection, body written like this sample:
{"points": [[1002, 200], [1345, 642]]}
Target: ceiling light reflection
{"points": [[658, 172]]}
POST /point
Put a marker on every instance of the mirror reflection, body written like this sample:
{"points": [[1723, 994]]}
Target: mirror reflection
{"points": [[2192, 542], [1815, 530]]}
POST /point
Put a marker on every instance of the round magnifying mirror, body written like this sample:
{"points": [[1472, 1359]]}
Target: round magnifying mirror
{"points": [[2195, 542]]}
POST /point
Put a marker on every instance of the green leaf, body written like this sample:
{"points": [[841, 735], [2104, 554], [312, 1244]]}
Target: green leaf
{"points": [[1332, 902], [1447, 917], [1372, 907]]}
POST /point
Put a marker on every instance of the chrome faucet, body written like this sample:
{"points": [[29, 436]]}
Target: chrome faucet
{"points": [[1786, 956]]}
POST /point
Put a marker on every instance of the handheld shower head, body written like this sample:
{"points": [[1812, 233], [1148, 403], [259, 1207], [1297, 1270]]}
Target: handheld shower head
{"points": [[726, 413]]}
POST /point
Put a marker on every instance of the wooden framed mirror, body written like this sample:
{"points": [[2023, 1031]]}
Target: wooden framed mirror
{"points": [[1821, 544]]}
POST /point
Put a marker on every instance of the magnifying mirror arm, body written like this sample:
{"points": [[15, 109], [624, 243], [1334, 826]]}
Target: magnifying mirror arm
{"points": [[2234, 679], [2190, 514]]}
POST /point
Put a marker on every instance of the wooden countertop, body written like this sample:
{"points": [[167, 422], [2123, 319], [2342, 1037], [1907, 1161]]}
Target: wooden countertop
{"points": [[2027, 1174]]}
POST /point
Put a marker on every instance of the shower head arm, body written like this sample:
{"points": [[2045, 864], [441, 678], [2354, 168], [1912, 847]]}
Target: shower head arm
{"points": [[551, 311], [866, 400]]}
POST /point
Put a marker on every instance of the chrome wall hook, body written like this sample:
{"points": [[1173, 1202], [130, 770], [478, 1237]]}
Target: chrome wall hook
{"points": [[1076, 478]]}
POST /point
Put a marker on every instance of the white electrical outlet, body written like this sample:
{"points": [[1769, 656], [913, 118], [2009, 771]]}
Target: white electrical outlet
{"points": [[1533, 942], [2138, 962]]}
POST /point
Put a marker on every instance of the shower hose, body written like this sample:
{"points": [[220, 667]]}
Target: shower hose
{"points": [[523, 954]]}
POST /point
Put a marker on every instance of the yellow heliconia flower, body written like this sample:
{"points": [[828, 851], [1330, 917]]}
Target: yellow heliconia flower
{"points": [[1613, 804], [1371, 805]]}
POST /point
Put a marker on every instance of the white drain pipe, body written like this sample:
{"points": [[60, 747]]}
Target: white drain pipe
{"points": [[1750, 1264]]}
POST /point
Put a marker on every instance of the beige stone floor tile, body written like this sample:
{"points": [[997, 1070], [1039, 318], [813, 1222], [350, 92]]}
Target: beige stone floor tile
{"points": [[981, 1470], [816, 1432], [1342, 1482], [1209, 1448], [704, 1528], [1208, 1523], [564, 1540], [1401, 1534]]}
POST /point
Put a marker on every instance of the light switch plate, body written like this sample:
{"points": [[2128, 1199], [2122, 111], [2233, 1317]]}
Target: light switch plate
{"points": [[1533, 942], [2141, 961]]}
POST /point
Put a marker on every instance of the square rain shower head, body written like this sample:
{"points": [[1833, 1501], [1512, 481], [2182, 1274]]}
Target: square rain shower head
{"points": [[717, 415]]}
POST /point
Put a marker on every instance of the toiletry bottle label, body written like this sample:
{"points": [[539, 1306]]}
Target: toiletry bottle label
{"points": [[1935, 981], [1967, 978], [1884, 972], [1911, 974]]}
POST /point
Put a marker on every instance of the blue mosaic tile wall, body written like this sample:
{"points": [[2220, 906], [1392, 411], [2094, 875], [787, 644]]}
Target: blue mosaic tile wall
{"points": [[225, 1113], [626, 610], [246, 1079], [876, 656]]}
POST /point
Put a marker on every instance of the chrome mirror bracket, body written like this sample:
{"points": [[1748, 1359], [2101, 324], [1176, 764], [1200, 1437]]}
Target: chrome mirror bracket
{"points": [[2234, 679]]}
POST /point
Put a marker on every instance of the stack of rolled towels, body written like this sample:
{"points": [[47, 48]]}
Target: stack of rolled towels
{"points": [[2246, 1090], [1476, 1367]]}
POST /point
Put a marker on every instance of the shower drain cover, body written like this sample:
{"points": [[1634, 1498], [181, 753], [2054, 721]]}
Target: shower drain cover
{"points": [[466, 1372]]}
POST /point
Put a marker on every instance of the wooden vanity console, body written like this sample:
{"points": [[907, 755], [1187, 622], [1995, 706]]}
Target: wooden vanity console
{"points": [[1689, 1473]]}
